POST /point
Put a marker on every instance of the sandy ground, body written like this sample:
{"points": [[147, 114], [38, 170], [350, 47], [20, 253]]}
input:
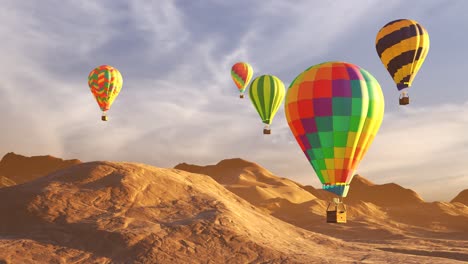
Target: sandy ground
{"points": [[232, 212], [385, 217]]}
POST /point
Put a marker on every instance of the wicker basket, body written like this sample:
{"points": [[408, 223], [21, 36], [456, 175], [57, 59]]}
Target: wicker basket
{"points": [[337, 213], [404, 100]]}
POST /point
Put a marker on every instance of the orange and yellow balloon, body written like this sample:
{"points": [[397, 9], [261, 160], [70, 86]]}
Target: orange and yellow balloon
{"points": [[105, 83], [241, 74]]}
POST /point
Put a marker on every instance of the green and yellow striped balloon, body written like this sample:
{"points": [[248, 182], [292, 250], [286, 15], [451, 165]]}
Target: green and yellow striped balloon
{"points": [[267, 93]]}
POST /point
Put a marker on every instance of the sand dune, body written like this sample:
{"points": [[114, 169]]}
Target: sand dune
{"points": [[251, 181], [367, 202], [462, 197], [106, 212], [22, 169], [319, 193], [377, 214], [233, 212], [387, 195], [6, 182]]}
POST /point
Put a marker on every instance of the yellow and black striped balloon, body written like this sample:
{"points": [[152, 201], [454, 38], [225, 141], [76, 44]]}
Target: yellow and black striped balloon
{"points": [[402, 46]]}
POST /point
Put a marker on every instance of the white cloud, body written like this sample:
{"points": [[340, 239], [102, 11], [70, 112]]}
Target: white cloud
{"points": [[162, 21], [296, 36]]}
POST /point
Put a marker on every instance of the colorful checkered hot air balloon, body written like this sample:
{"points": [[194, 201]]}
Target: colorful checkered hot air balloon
{"points": [[105, 83], [402, 46], [267, 93], [334, 111], [241, 74]]}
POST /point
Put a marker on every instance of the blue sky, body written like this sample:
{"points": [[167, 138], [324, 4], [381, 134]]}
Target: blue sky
{"points": [[179, 104]]}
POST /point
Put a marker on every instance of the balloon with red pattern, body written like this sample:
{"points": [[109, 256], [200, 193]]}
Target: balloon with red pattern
{"points": [[105, 83], [241, 74]]}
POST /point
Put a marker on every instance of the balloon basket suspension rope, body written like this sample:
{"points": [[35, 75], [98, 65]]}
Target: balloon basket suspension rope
{"points": [[267, 130], [104, 116], [336, 211]]}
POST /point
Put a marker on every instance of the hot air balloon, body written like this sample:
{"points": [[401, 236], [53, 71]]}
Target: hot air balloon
{"points": [[105, 83], [267, 93], [402, 46], [241, 74], [334, 111]]}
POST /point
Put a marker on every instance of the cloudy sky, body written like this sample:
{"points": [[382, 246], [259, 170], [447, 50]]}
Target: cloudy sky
{"points": [[179, 104]]}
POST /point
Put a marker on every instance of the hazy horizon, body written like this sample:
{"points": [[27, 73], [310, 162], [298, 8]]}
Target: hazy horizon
{"points": [[179, 104]]}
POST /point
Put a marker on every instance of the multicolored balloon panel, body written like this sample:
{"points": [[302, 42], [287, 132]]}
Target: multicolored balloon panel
{"points": [[105, 83], [402, 46], [374, 118], [241, 74], [334, 111], [267, 93]]}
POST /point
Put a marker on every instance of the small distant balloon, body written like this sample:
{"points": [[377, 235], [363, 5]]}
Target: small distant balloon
{"points": [[105, 83], [267, 93], [241, 74]]}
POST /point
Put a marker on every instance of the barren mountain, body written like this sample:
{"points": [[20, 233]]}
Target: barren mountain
{"points": [[104, 212], [376, 213], [462, 197], [386, 195], [305, 206], [22, 169], [251, 181]]}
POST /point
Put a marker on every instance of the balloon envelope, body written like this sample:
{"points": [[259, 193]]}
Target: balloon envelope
{"points": [[402, 46], [266, 94], [105, 83], [241, 74], [334, 111]]}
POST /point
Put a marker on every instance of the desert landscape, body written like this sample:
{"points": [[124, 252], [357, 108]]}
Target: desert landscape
{"points": [[67, 211], [164, 131]]}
